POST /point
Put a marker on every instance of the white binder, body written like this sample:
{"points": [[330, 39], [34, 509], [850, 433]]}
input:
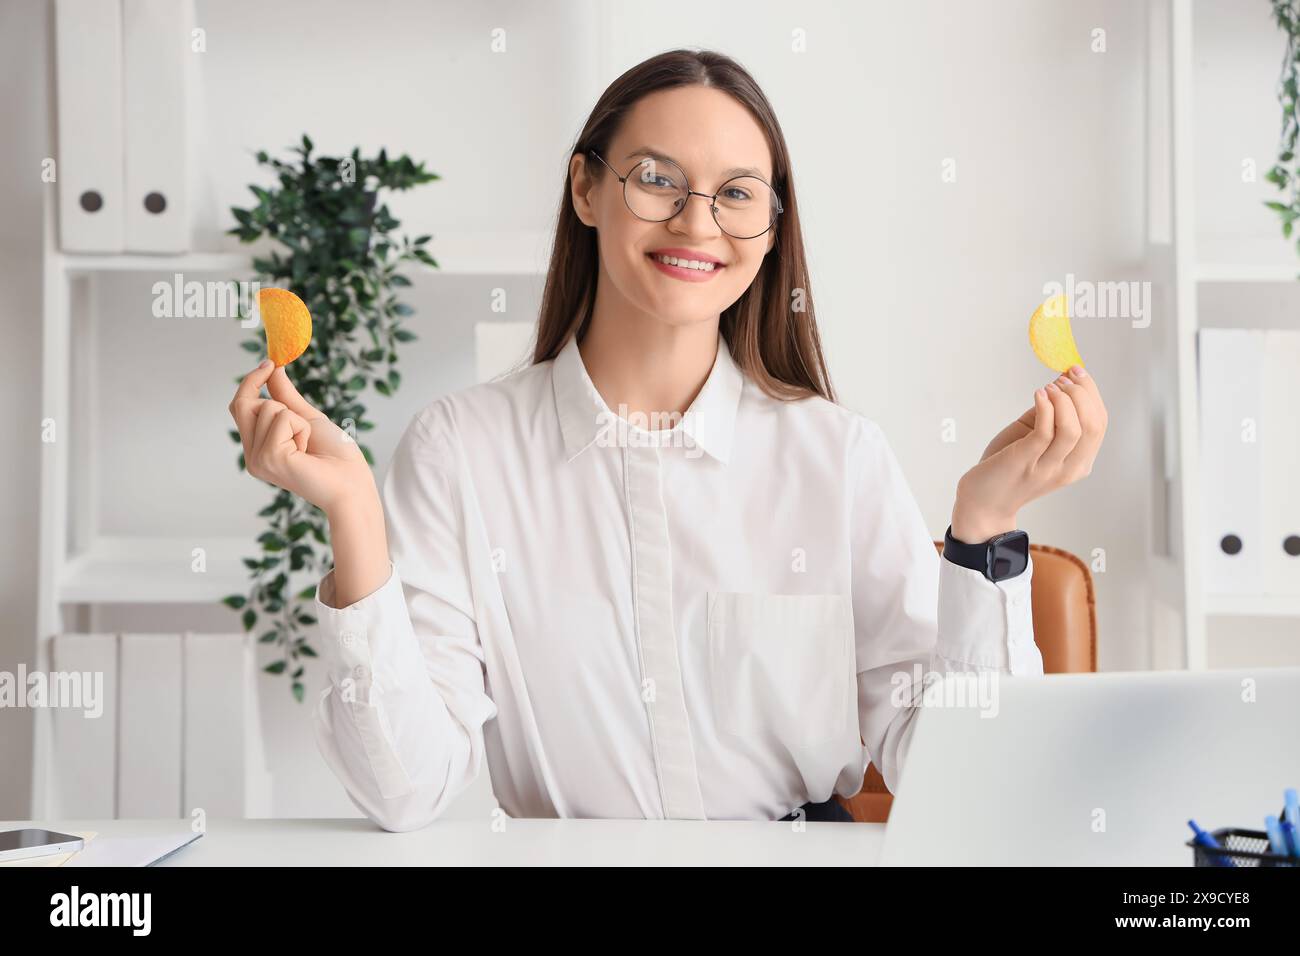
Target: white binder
{"points": [[1232, 429], [156, 47], [1280, 499], [89, 172], [225, 764], [149, 761], [83, 757]]}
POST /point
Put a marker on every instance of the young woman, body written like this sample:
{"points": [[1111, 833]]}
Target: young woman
{"points": [[659, 573]]}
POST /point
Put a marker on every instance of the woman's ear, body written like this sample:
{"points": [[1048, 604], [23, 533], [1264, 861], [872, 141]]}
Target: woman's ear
{"points": [[582, 184]]}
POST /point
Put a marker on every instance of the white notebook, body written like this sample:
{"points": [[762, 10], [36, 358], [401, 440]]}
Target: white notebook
{"points": [[132, 851]]}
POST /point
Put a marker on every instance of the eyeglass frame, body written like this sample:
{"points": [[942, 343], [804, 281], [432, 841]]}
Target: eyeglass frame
{"points": [[713, 199]]}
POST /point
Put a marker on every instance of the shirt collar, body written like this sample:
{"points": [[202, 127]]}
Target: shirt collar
{"points": [[709, 423]]}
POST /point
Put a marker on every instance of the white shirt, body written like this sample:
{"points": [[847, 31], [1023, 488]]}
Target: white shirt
{"points": [[701, 622]]}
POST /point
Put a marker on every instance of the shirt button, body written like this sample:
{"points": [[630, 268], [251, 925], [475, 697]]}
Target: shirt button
{"points": [[347, 638], [359, 672]]}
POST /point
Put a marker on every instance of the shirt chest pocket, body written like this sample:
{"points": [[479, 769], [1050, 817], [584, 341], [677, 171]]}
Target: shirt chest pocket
{"points": [[782, 665]]}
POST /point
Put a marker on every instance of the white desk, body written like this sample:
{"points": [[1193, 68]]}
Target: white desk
{"points": [[358, 842]]}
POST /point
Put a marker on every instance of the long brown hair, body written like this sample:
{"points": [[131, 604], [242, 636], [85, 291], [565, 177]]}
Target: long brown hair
{"points": [[771, 328]]}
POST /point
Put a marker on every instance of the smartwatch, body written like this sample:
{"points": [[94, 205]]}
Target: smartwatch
{"points": [[998, 558]]}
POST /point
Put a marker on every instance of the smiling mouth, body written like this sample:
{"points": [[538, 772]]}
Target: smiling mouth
{"points": [[683, 267]]}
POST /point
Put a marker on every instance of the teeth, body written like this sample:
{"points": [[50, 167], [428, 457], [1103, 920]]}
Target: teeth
{"points": [[686, 263]]}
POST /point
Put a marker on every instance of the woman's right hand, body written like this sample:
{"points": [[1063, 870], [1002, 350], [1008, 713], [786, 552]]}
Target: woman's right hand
{"points": [[294, 446]]}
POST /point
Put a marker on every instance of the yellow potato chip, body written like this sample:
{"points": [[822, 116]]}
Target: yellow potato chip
{"points": [[1050, 335], [287, 323]]}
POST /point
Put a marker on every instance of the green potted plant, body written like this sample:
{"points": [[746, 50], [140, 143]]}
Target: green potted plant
{"points": [[1285, 175], [337, 248]]}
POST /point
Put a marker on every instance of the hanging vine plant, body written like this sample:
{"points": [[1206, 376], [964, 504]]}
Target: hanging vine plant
{"points": [[1285, 175], [341, 254]]}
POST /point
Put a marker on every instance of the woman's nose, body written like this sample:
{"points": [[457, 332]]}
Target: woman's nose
{"points": [[697, 217]]}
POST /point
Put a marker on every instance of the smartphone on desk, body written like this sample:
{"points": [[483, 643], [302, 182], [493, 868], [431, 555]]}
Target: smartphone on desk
{"points": [[26, 844]]}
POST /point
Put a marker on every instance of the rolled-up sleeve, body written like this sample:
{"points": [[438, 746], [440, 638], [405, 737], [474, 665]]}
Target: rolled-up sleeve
{"points": [[915, 612], [401, 720]]}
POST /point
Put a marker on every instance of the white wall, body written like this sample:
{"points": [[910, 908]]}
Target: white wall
{"points": [[924, 288]]}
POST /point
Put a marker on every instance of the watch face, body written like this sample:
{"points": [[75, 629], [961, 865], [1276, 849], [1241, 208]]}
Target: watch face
{"points": [[1008, 555]]}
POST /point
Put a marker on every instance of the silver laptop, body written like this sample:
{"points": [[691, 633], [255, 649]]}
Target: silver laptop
{"points": [[1093, 769]]}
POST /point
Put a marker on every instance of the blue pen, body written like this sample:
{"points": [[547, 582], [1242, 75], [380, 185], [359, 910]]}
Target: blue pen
{"points": [[1292, 841], [1206, 840], [1276, 841]]}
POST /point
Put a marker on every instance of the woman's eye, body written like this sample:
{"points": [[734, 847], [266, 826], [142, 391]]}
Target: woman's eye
{"points": [[656, 181], [738, 194]]}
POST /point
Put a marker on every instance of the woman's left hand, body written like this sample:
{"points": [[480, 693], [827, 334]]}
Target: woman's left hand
{"points": [[1050, 446]]}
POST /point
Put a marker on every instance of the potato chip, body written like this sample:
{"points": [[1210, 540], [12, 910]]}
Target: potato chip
{"points": [[1050, 335], [287, 323]]}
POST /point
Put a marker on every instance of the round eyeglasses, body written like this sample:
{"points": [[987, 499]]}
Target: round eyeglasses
{"points": [[744, 207]]}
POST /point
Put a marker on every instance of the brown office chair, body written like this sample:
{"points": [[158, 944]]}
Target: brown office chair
{"points": [[1065, 630]]}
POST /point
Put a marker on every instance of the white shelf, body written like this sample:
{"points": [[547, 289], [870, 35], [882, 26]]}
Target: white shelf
{"points": [[491, 253], [1247, 260], [85, 264], [459, 254], [157, 570], [1189, 250], [1245, 272], [1253, 605]]}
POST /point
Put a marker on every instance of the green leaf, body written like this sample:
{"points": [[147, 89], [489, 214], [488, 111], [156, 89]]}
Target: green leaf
{"points": [[235, 601], [249, 619], [268, 637], [251, 346], [277, 667], [307, 594], [382, 387], [306, 651], [404, 335], [271, 541], [298, 691]]}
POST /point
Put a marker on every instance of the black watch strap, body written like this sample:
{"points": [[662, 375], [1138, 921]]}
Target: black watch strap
{"points": [[1001, 557]]}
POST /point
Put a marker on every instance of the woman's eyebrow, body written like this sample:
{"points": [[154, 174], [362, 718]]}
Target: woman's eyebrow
{"points": [[726, 173]]}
